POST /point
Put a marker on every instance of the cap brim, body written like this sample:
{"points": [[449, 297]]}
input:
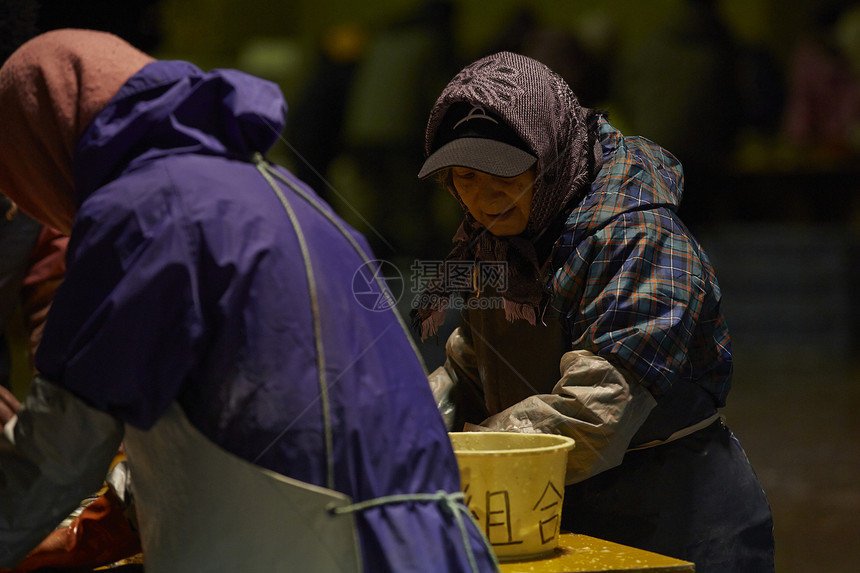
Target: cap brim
{"points": [[487, 155]]}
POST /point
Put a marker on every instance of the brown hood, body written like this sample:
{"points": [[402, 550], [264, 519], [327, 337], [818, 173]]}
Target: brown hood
{"points": [[50, 90]]}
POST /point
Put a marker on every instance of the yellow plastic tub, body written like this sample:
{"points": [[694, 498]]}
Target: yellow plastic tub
{"points": [[514, 486]]}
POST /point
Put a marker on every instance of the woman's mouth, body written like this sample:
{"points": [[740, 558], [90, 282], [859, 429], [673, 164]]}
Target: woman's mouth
{"points": [[500, 215]]}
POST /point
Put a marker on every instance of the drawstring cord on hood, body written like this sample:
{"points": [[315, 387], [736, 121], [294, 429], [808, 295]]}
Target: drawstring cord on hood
{"points": [[262, 164], [452, 503], [270, 174], [265, 171]]}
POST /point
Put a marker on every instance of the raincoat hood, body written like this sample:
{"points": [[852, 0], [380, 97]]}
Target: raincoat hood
{"points": [[82, 107], [654, 179], [166, 109]]}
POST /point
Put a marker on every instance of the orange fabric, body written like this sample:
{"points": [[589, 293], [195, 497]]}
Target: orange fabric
{"points": [[47, 270], [100, 535], [50, 89]]}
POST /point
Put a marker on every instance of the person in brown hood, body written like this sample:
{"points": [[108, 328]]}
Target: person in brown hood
{"points": [[210, 322], [31, 255], [590, 312]]}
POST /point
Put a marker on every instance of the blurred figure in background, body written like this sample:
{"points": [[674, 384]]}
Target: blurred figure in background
{"points": [[404, 65], [586, 69], [822, 113], [679, 87], [315, 124]]}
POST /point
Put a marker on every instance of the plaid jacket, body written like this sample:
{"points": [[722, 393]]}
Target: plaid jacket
{"points": [[632, 284]]}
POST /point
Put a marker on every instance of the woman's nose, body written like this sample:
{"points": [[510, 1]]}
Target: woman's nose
{"points": [[492, 186], [493, 199]]}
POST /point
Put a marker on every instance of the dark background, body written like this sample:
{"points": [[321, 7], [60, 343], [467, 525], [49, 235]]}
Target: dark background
{"points": [[759, 98]]}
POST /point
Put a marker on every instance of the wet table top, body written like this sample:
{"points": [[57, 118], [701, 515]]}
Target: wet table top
{"points": [[583, 554]]}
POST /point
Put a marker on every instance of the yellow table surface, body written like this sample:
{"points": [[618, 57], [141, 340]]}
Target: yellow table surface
{"points": [[583, 554]]}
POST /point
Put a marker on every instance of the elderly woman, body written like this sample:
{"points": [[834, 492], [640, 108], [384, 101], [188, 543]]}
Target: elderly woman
{"points": [[605, 324]]}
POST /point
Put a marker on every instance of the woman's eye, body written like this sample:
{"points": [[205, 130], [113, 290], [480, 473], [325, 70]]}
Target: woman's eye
{"points": [[464, 174]]}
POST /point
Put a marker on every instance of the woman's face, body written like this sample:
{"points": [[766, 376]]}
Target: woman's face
{"points": [[501, 204]]}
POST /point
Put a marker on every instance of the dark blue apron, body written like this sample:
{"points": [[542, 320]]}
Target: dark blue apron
{"points": [[696, 498]]}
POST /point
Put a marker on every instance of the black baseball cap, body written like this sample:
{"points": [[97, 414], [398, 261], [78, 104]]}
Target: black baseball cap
{"points": [[470, 136]]}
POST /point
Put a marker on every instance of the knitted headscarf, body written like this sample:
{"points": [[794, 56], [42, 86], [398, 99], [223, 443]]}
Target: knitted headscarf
{"points": [[50, 89], [545, 114]]}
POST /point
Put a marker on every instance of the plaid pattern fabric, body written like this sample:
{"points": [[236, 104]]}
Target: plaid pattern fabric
{"points": [[632, 284]]}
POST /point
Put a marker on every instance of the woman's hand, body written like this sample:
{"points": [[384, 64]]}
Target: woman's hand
{"points": [[9, 405]]}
